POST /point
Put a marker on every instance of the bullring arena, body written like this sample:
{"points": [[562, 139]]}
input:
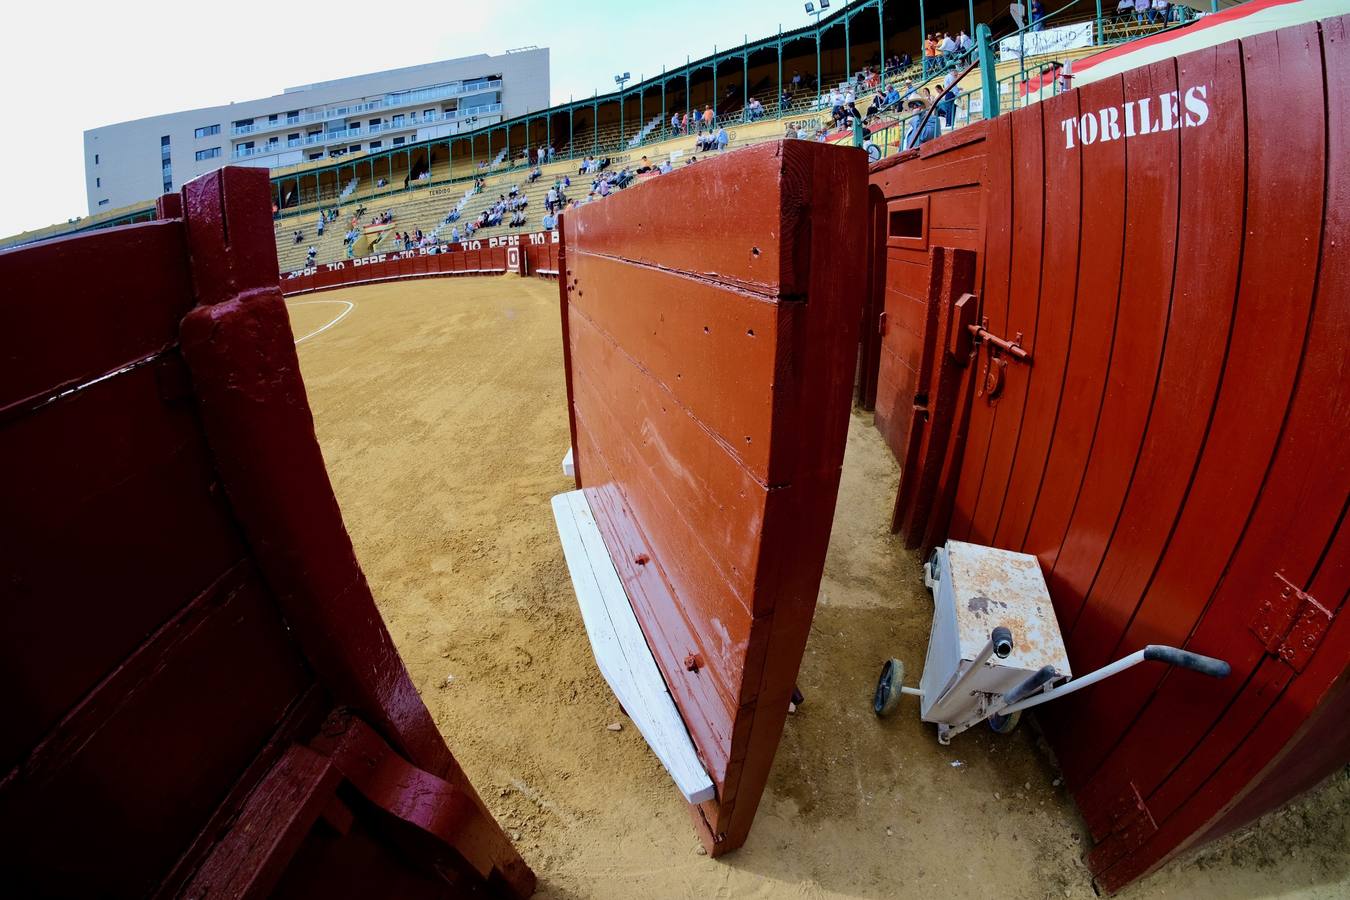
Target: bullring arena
{"points": [[780, 500], [438, 404]]}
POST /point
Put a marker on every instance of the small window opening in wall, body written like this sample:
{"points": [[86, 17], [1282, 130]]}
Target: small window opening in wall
{"points": [[907, 223]]}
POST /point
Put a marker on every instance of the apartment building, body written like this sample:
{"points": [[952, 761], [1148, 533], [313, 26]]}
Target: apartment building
{"points": [[131, 162]]}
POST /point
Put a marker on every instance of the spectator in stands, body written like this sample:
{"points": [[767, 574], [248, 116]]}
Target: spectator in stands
{"points": [[755, 109], [665, 167], [644, 167], [550, 222], [930, 52], [310, 254], [1125, 10], [674, 123], [319, 228], [913, 135], [721, 138], [964, 43], [707, 119], [947, 47], [454, 233], [877, 105], [946, 106], [1160, 12], [1037, 14], [789, 133]]}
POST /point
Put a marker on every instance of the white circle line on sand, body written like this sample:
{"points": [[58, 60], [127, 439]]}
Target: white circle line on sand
{"points": [[340, 316]]}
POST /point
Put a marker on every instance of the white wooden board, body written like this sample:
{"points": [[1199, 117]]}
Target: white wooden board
{"points": [[569, 468], [621, 650]]}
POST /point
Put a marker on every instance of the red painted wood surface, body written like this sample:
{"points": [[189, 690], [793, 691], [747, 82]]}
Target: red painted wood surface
{"points": [[939, 185], [1174, 451], [397, 267], [182, 606], [710, 373]]}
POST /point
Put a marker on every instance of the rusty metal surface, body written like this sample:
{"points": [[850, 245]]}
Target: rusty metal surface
{"points": [[1175, 456], [994, 588], [710, 372]]}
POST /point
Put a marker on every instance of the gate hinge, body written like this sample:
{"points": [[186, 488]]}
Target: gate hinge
{"points": [[1131, 825], [1291, 624]]}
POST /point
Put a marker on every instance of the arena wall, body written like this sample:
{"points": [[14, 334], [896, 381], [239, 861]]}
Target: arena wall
{"points": [[1147, 394], [204, 698]]}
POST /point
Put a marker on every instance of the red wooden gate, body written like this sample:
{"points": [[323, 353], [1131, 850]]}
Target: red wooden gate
{"points": [[203, 698], [711, 342], [1169, 438]]}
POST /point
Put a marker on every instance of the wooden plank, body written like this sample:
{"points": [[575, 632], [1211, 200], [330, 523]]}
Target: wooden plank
{"points": [[621, 651], [144, 289], [1098, 293], [144, 751], [1054, 323], [122, 498], [270, 828], [994, 311], [1200, 322], [1152, 192], [1024, 286], [711, 349], [1273, 301], [746, 249]]}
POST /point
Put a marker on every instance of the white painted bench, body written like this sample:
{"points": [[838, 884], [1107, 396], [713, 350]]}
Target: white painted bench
{"points": [[621, 650]]}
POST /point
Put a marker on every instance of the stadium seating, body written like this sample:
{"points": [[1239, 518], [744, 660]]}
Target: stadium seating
{"points": [[424, 202]]}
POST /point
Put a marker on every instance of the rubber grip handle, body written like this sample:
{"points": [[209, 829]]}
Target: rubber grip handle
{"points": [[1205, 665], [1003, 641], [1030, 685]]}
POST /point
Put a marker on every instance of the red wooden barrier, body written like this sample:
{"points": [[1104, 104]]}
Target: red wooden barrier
{"points": [[1173, 449], [709, 376], [182, 610], [489, 260]]}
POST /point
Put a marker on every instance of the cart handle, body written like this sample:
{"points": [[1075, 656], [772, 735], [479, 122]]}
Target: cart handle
{"points": [[1205, 665]]}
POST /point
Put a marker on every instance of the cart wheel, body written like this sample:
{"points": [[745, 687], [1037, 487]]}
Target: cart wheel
{"points": [[888, 688], [1005, 724]]}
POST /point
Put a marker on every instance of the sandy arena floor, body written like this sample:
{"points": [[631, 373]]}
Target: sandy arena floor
{"points": [[440, 406]]}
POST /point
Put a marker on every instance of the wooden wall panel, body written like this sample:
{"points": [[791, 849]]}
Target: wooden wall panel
{"points": [[1176, 457], [182, 604], [946, 175], [709, 383]]}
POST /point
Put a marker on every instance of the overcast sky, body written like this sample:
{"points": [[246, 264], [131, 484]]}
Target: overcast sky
{"points": [[72, 65]]}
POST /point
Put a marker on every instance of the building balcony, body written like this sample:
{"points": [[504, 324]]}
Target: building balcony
{"points": [[389, 101], [357, 131]]}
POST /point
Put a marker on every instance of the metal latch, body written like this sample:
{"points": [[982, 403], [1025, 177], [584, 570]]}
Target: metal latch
{"points": [[1013, 348], [996, 362], [1291, 625]]}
